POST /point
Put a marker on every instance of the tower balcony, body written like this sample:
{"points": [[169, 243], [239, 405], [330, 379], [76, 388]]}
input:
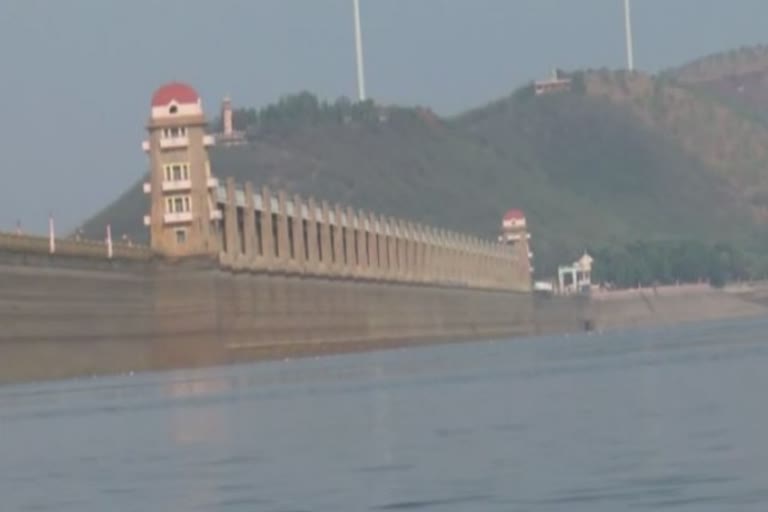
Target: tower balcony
{"points": [[181, 141], [515, 237], [177, 185], [180, 185], [208, 140], [177, 217]]}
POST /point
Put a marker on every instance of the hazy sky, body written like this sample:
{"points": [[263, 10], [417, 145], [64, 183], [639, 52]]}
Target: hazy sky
{"points": [[77, 75]]}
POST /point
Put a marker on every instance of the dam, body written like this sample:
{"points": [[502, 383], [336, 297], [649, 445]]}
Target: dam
{"points": [[238, 273]]}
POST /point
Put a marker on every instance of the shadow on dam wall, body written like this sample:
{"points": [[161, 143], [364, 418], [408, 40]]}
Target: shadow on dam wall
{"points": [[66, 317]]}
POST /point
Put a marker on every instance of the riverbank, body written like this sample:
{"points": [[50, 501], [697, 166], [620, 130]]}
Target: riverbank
{"points": [[672, 305]]}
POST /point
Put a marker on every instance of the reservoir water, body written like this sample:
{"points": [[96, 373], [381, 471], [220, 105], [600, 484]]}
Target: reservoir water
{"points": [[666, 419]]}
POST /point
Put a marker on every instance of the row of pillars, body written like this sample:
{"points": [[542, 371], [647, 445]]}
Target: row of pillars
{"points": [[301, 238]]}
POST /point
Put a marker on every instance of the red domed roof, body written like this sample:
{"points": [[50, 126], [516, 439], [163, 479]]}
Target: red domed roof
{"points": [[180, 92], [514, 214]]}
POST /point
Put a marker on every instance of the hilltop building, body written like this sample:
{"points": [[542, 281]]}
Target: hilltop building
{"points": [[558, 82], [514, 233], [181, 188]]}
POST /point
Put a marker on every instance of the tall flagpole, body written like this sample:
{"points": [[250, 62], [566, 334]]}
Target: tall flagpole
{"points": [[628, 31], [109, 242], [51, 235], [359, 49]]}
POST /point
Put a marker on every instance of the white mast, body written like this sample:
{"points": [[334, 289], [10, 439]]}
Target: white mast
{"points": [[51, 235], [110, 250], [359, 48], [628, 30]]}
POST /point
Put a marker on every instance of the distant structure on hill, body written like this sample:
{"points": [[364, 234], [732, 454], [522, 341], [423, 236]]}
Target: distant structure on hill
{"points": [[556, 83], [228, 135], [514, 233]]}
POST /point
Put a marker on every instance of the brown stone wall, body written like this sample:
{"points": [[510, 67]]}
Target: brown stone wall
{"points": [[64, 317]]}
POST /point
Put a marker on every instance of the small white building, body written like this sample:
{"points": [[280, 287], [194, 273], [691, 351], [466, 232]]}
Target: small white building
{"points": [[577, 277]]}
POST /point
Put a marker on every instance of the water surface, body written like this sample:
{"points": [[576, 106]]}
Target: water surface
{"points": [[668, 419]]}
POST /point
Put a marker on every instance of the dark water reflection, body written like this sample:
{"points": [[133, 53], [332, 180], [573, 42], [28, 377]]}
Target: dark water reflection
{"points": [[660, 420]]}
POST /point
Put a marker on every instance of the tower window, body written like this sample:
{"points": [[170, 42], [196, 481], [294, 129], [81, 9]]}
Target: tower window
{"points": [[176, 171], [178, 204], [174, 131], [181, 236], [174, 109]]}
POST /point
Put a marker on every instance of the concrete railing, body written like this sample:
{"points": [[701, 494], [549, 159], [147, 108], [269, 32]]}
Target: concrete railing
{"points": [[273, 232], [70, 247]]}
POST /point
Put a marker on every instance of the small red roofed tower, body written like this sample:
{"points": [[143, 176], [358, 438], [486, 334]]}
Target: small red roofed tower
{"points": [[514, 220], [182, 214], [228, 135], [515, 235], [226, 116]]}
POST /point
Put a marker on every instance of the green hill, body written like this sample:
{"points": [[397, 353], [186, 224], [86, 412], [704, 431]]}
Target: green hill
{"points": [[738, 78], [623, 158], [718, 66]]}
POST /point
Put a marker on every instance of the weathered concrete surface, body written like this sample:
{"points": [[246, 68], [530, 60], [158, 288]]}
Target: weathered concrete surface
{"points": [[64, 317], [71, 317], [675, 305]]}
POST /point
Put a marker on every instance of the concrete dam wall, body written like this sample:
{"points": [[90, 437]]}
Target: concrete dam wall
{"points": [[255, 275], [67, 316], [73, 316]]}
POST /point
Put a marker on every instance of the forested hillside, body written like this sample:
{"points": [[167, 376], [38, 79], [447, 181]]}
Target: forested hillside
{"points": [[738, 78]]}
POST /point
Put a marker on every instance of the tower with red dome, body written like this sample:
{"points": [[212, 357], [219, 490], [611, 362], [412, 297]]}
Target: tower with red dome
{"points": [[515, 235], [182, 215]]}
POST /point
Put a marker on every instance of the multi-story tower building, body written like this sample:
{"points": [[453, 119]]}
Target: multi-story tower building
{"points": [[514, 233], [183, 217]]}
